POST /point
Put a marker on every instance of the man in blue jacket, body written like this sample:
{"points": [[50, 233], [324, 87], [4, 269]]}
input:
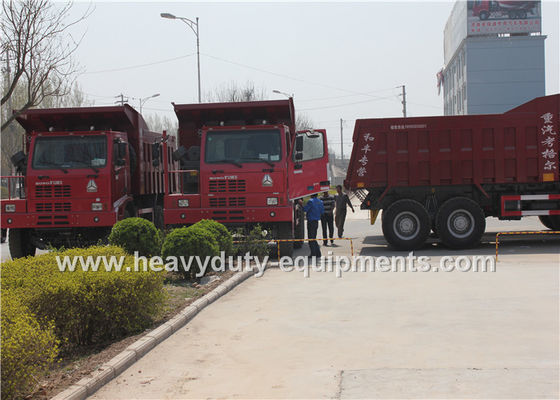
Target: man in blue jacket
{"points": [[314, 210]]}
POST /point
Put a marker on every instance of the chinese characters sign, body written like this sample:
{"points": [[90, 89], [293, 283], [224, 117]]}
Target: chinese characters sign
{"points": [[548, 137], [363, 161]]}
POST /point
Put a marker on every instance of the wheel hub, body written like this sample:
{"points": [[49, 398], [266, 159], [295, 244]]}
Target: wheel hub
{"points": [[406, 225], [460, 223]]}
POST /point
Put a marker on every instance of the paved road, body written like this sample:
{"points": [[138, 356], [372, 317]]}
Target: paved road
{"points": [[371, 335]]}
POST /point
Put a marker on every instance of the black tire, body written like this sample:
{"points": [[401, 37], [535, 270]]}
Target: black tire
{"points": [[4, 235], [552, 222], [285, 232], [19, 242], [484, 15], [460, 223], [158, 217], [406, 224], [299, 229]]}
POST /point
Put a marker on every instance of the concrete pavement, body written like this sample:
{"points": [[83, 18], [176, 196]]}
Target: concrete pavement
{"points": [[371, 335]]}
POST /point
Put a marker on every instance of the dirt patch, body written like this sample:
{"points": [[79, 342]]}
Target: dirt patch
{"points": [[76, 365]]}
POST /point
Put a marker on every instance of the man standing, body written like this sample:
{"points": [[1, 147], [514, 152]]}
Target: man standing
{"points": [[327, 218], [313, 210], [341, 200]]}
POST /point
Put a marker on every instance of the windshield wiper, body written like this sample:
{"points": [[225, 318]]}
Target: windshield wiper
{"points": [[230, 162], [85, 164], [261, 160], [46, 164]]}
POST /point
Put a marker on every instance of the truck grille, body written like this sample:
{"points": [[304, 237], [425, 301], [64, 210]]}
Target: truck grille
{"points": [[53, 207], [47, 220], [48, 191], [227, 202], [227, 185], [228, 216]]}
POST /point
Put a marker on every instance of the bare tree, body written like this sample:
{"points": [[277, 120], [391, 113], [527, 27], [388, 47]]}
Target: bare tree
{"points": [[37, 50], [158, 123], [303, 122], [234, 92]]}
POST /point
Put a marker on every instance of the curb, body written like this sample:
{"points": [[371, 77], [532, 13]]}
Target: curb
{"points": [[118, 364]]}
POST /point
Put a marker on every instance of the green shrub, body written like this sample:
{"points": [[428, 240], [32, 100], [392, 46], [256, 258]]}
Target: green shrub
{"points": [[252, 242], [136, 234], [27, 349], [87, 306], [190, 242], [220, 232]]}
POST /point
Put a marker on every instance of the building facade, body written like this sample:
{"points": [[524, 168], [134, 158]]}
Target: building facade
{"points": [[491, 65]]}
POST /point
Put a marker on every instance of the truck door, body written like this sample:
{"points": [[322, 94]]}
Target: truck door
{"points": [[121, 171], [308, 164]]}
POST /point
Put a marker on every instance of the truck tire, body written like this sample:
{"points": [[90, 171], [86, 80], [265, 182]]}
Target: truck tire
{"points": [[552, 222], [299, 229], [285, 232], [20, 244], [460, 223], [4, 235], [484, 15], [406, 224]]}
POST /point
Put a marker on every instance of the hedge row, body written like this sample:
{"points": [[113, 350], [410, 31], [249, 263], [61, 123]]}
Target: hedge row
{"points": [[42, 306]]}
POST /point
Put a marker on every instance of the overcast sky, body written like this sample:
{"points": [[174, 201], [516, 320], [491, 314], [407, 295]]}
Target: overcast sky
{"points": [[339, 60]]}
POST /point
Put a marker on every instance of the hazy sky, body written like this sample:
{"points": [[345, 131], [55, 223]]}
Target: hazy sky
{"points": [[339, 60]]}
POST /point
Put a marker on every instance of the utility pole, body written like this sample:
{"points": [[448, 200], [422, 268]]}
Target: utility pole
{"points": [[341, 140], [122, 100], [403, 100]]}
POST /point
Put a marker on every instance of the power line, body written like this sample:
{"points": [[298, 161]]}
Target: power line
{"points": [[139, 65], [347, 104]]}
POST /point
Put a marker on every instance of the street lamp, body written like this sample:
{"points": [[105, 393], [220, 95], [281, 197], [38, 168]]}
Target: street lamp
{"points": [[145, 99], [285, 94], [194, 26]]}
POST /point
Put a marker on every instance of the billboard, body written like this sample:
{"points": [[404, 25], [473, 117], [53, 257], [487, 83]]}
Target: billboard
{"points": [[494, 17], [485, 17]]}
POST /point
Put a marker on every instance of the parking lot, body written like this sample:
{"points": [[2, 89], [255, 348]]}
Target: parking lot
{"points": [[372, 334]]}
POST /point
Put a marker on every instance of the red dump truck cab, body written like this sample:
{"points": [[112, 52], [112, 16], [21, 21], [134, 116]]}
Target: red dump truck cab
{"points": [[243, 164], [449, 173], [84, 169]]}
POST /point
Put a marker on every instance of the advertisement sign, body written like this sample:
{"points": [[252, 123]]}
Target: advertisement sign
{"points": [[494, 17]]}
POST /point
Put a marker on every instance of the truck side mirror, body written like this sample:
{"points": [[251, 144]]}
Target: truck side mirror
{"points": [[120, 151], [20, 161], [155, 154]]}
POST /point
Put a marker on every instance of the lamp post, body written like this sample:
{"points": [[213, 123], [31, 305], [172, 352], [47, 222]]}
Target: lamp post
{"points": [[145, 99], [283, 93], [194, 26]]}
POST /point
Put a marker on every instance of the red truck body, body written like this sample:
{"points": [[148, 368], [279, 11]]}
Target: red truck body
{"points": [[86, 169], [507, 164], [238, 167]]}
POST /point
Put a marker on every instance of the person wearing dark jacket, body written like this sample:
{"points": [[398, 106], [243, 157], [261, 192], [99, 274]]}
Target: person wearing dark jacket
{"points": [[313, 211], [327, 218], [341, 200]]}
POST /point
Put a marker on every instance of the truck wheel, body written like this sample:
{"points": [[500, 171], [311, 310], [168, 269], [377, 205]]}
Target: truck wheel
{"points": [[552, 222], [20, 244], [299, 229], [484, 15], [285, 232], [460, 223], [406, 224]]}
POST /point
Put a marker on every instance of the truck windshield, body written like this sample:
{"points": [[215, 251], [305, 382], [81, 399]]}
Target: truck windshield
{"points": [[243, 146], [70, 152]]}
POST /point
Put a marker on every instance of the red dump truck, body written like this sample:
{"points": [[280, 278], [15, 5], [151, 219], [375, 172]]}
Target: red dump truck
{"points": [[244, 164], [512, 9], [449, 173], [83, 170]]}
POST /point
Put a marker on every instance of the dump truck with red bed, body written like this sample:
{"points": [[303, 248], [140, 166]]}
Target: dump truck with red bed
{"points": [[244, 164], [83, 170], [447, 174]]}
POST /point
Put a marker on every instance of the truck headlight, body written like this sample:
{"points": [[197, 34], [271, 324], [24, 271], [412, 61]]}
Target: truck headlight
{"points": [[10, 208], [272, 201], [96, 206], [183, 202]]}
